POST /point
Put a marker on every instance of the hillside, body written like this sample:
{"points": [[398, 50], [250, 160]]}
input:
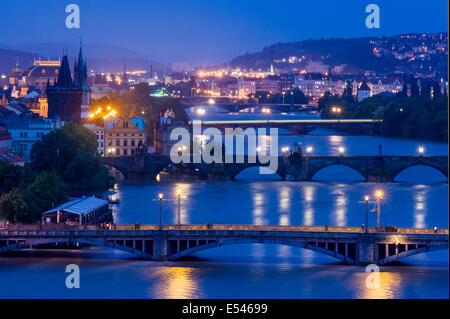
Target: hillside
{"points": [[357, 53]]}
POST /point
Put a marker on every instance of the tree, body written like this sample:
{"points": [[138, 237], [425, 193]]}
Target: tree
{"points": [[299, 97], [436, 90], [13, 176], [414, 87], [58, 148], [48, 190], [86, 173], [17, 206]]}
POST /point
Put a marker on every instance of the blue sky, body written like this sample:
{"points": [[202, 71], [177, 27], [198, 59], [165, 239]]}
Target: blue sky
{"points": [[210, 30]]}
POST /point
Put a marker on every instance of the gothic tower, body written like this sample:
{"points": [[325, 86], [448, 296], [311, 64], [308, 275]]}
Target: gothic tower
{"points": [[70, 100]]}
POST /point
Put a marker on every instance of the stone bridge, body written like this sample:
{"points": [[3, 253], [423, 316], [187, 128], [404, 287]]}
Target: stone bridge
{"points": [[300, 126], [293, 167], [351, 245]]}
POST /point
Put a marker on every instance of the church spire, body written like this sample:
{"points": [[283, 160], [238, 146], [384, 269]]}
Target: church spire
{"points": [[80, 71], [64, 76]]}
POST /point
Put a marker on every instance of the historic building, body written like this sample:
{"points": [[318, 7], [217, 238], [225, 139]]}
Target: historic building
{"points": [[69, 99], [41, 72], [124, 136], [363, 91], [162, 142], [99, 132]]}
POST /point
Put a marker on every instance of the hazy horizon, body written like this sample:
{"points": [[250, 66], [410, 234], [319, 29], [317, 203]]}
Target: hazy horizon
{"points": [[209, 32]]}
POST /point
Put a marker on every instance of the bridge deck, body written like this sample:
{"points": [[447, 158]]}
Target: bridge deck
{"points": [[250, 228]]}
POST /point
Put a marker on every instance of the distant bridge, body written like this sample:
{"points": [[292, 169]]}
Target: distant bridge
{"points": [[293, 167], [348, 244], [298, 127]]}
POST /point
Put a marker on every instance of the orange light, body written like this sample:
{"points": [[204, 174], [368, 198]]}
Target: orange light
{"points": [[379, 194], [160, 196]]}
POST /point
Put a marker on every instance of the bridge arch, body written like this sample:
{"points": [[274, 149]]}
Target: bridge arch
{"points": [[236, 169], [411, 252], [431, 165], [257, 166], [286, 242], [92, 242], [313, 172]]}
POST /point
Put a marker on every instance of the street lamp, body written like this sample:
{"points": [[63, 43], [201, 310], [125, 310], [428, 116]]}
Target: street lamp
{"points": [[160, 196], [285, 149], [366, 200], [421, 150], [309, 149], [341, 150], [378, 195], [179, 206]]}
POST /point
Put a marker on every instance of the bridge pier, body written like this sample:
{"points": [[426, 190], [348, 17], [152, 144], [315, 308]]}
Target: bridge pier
{"points": [[160, 246], [366, 250]]}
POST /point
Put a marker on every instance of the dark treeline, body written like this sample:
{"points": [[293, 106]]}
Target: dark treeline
{"points": [[64, 162], [416, 117], [296, 96]]}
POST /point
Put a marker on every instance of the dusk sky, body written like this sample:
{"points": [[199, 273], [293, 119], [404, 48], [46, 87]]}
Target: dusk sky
{"points": [[210, 31]]}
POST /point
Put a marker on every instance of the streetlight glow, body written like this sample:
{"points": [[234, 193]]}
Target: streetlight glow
{"points": [[379, 194], [421, 150], [341, 149], [160, 196], [366, 198], [309, 149]]}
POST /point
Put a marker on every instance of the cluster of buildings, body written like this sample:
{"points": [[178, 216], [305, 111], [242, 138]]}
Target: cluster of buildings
{"points": [[43, 97]]}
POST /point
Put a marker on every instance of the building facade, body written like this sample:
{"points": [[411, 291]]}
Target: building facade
{"points": [[124, 136]]}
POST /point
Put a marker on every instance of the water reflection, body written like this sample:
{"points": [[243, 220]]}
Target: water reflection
{"points": [[420, 206], [308, 206], [339, 214], [389, 285], [175, 283]]}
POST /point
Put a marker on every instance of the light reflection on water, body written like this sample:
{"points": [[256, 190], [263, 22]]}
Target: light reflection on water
{"points": [[252, 270]]}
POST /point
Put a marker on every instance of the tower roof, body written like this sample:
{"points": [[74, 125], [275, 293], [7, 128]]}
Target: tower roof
{"points": [[64, 77], [364, 86], [80, 71]]}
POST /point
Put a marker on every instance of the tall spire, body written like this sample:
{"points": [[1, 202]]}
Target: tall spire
{"points": [[64, 76], [80, 71]]}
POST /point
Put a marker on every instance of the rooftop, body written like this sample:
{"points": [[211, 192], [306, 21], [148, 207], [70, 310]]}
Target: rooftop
{"points": [[80, 206]]}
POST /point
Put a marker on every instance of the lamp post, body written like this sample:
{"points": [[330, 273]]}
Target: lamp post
{"points": [[378, 195], [160, 210], [366, 199], [179, 207]]}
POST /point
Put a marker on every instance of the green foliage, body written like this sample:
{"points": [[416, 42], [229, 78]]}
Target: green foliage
{"points": [[58, 148], [297, 97], [48, 190], [86, 173], [18, 206], [416, 117], [13, 176]]}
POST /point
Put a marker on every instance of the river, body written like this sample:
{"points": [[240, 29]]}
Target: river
{"points": [[418, 198]]}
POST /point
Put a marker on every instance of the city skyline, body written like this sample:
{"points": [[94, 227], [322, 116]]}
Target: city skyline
{"points": [[211, 32]]}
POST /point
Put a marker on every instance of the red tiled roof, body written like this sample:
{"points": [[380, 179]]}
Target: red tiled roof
{"points": [[9, 156]]}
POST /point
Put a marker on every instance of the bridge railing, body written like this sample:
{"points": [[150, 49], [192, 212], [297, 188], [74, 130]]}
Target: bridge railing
{"points": [[60, 229]]}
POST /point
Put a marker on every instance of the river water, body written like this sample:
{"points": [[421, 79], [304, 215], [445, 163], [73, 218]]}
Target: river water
{"points": [[418, 198]]}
